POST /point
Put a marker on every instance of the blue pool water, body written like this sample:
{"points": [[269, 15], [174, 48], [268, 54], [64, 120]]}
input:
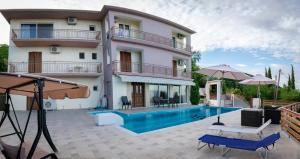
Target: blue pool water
{"points": [[149, 121]]}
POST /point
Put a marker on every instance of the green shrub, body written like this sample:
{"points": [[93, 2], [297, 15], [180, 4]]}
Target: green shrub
{"points": [[289, 95], [195, 96]]}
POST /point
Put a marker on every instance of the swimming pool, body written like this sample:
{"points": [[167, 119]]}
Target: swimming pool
{"points": [[149, 121]]}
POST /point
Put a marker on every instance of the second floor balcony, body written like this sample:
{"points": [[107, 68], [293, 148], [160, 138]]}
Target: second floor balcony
{"points": [[151, 39], [56, 68], [56, 37], [151, 70]]}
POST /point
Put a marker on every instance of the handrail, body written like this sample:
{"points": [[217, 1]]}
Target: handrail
{"points": [[55, 34], [55, 67], [150, 69], [141, 35], [290, 120]]}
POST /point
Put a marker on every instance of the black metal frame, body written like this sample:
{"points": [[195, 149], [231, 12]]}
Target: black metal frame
{"points": [[6, 113], [41, 118]]}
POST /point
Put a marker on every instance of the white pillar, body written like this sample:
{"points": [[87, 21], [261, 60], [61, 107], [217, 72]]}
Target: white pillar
{"points": [[219, 93]]}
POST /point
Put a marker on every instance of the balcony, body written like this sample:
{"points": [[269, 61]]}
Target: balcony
{"points": [[57, 69], [151, 70], [56, 37], [145, 38]]}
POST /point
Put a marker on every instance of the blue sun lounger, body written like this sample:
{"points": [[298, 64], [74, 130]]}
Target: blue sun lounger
{"points": [[233, 143]]}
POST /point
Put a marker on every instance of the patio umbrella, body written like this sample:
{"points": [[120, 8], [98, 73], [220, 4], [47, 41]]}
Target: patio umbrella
{"points": [[258, 80], [38, 87], [221, 72]]}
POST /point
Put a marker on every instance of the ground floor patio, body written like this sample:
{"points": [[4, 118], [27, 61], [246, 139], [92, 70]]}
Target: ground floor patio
{"points": [[76, 136]]}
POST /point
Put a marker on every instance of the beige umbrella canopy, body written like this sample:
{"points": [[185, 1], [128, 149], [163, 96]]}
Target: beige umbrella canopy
{"points": [[258, 80], [21, 84], [223, 71]]}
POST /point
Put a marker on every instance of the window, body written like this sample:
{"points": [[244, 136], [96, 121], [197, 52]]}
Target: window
{"points": [[124, 30], [95, 88], [94, 56], [45, 30], [36, 31], [183, 94], [81, 55], [28, 31], [92, 28]]}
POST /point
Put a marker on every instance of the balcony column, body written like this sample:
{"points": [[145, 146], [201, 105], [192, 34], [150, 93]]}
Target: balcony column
{"points": [[188, 40]]}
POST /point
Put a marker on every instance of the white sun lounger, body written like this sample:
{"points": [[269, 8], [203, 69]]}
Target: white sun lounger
{"points": [[241, 130]]}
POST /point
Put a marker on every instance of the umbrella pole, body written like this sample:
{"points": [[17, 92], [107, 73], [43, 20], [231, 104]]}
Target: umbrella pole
{"points": [[218, 122]]}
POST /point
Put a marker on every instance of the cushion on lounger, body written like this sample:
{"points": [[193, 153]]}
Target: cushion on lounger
{"points": [[10, 152], [244, 144], [212, 139], [270, 140]]}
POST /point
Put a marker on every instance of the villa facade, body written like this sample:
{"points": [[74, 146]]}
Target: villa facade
{"points": [[116, 52]]}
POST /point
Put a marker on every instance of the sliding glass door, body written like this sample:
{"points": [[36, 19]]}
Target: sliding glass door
{"points": [[168, 91], [31, 31], [45, 30], [28, 31]]}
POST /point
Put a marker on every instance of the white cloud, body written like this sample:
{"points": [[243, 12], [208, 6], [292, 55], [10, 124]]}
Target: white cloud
{"points": [[272, 25], [241, 65], [259, 64]]}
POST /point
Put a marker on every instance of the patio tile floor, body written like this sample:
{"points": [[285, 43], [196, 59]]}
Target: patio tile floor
{"points": [[76, 136]]}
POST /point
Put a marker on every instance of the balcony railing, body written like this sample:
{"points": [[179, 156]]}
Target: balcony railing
{"points": [[150, 70], [149, 37], [290, 120], [55, 34], [55, 67]]}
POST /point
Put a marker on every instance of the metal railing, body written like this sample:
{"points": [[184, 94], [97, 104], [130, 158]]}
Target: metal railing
{"points": [[59, 34], [141, 35], [290, 120], [150, 70], [55, 67]]}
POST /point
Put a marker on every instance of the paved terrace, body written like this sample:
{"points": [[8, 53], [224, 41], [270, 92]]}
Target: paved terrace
{"points": [[76, 136]]}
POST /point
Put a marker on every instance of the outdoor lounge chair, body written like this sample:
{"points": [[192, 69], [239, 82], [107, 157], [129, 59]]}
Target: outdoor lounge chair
{"points": [[241, 130], [233, 143], [125, 102]]}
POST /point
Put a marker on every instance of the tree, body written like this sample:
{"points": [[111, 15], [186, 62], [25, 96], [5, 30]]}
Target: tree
{"points": [[3, 57], [266, 72], [289, 83], [269, 73], [293, 86], [196, 57], [195, 96]]}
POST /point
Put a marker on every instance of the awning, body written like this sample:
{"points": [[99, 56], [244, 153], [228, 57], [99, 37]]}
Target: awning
{"points": [[23, 84], [155, 80]]}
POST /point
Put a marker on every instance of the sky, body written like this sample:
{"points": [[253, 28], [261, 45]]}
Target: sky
{"points": [[248, 35]]}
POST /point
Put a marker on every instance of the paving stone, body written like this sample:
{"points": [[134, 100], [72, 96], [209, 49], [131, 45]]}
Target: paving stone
{"points": [[83, 140]]}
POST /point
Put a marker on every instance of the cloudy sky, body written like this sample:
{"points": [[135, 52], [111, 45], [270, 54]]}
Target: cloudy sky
{"points": [[248, 35]]}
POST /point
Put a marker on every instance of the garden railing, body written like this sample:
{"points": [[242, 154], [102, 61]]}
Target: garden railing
{"points": [[290, 120]]}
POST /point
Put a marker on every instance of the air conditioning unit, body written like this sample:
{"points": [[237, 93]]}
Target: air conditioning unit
{"points": [[50, 104], [180, 62], [54, 50], [180, 36], [72, 20]]}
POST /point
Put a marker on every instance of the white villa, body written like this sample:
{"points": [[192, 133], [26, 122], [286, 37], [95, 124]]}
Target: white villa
{"points": [[116, 52]]}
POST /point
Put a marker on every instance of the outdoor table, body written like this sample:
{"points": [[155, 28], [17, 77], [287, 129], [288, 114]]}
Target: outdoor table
{"points": [[251, 117]]}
